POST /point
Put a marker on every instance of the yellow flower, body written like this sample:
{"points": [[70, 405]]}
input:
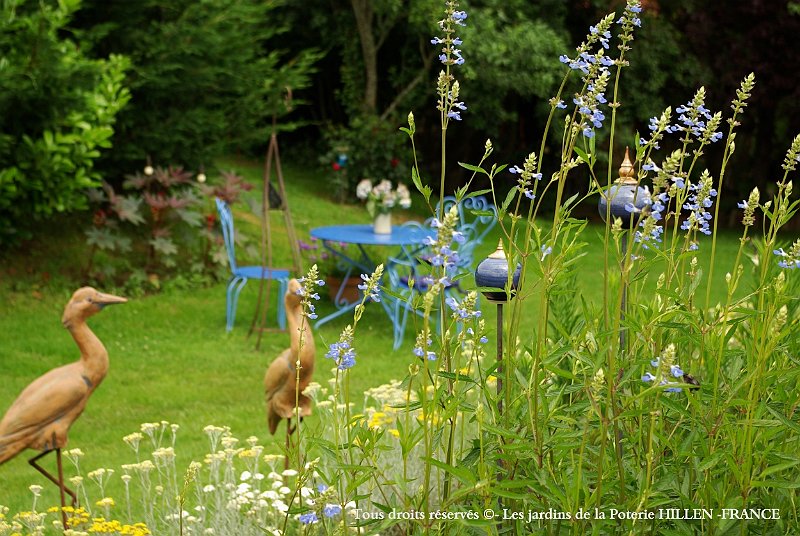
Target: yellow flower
{"points": [[105, 502], [378, 419], [433, 419], [395, 432]]}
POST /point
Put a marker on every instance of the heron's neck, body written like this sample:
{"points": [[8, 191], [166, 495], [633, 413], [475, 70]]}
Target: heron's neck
{"points": [[294, 321], [94, 356]]}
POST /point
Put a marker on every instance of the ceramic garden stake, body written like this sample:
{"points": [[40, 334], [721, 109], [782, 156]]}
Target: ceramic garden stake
{"points": [[41, 416], [281, 386]]}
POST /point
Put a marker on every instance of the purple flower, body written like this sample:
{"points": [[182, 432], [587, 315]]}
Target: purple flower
{"points": [[331, 510], [309, 518]]}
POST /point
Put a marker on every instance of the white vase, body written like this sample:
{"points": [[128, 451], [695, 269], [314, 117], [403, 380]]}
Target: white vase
{"points": [[382, 223]]}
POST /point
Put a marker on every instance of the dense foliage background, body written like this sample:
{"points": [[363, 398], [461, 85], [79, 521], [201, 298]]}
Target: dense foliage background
{"points": [[92, 90]]}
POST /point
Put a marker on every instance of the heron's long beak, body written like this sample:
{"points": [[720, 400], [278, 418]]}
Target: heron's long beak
{"points": [[108, 299]]}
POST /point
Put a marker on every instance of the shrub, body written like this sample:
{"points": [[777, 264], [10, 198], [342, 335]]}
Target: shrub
{"points": [[162, 227], [57, 113], [207, 77], [367, 149]]}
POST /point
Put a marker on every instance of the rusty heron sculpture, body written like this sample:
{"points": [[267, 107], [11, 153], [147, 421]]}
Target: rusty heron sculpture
{"points": [[41, 416], [281, 385]]}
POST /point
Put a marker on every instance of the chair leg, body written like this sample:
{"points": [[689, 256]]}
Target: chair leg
{"points": [[284, 286], [399, 325], [230, 305], [239, 287], [234, 288]]}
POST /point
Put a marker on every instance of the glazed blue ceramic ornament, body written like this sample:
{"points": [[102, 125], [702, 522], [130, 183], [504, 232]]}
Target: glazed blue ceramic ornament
{"points": [[492, 273], [625, 194]]}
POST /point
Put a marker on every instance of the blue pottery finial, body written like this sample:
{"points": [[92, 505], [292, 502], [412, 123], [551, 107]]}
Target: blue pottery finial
{"points": [[625, 192], [492, 273]]}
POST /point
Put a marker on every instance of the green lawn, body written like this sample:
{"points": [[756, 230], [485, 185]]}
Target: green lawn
{"points": [[171, 358]]}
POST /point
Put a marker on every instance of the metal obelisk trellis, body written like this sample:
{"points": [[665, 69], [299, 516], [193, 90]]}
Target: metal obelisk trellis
{"points": [[273, 155]]}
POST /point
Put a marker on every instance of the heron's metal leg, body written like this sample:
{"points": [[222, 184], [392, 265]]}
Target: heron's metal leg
{"points": [[57, 481], [61, 487]]}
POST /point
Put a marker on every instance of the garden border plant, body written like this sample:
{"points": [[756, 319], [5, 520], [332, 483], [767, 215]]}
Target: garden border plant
{"points": [[646, 436], [694, 411]]}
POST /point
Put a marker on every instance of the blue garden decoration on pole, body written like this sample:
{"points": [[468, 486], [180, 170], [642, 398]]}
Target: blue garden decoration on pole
{"points": [[491, 276], [629, 202]]}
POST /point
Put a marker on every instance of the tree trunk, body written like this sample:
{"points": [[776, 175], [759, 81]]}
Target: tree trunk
{"points": [[362, 9]]}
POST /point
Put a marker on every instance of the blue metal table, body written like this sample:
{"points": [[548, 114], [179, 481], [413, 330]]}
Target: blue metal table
{"points": [[406, 238]]}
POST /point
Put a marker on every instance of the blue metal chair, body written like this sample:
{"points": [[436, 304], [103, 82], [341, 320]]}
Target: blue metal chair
{"points": [[241, 274], [400, 270], [407, 267]]}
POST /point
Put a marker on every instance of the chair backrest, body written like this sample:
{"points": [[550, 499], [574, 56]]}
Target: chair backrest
{"points": [[226, 221], [404, 263], [474, 227]]}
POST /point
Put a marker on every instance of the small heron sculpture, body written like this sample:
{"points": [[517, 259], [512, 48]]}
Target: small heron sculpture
{"points": [[40, 418], [283, 392]]}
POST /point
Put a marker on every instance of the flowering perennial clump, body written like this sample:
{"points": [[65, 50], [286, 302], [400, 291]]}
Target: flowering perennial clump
{"points": [[789, 259], [442, 245], [526, 175], [447, 88], [673, 188], [749, 205], [342, 351], [697, 203], [421, 347], [466, 309], [665, 368], [307, 291], [370, 286]]}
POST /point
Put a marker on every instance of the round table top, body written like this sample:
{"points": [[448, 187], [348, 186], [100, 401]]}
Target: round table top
{"points": [[401, 235]]}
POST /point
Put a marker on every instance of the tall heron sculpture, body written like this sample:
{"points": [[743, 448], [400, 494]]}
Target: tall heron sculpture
{"points": [[41, 416], [282, 389]]}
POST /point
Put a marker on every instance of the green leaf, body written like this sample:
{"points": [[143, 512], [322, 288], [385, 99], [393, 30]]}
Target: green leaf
{"points": [[128, 209], [583, 155], [476, 193], [777, 468], [509, 197], [476, 169], [460, 472], [102, 238], [163, 245], [424, 190]]}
